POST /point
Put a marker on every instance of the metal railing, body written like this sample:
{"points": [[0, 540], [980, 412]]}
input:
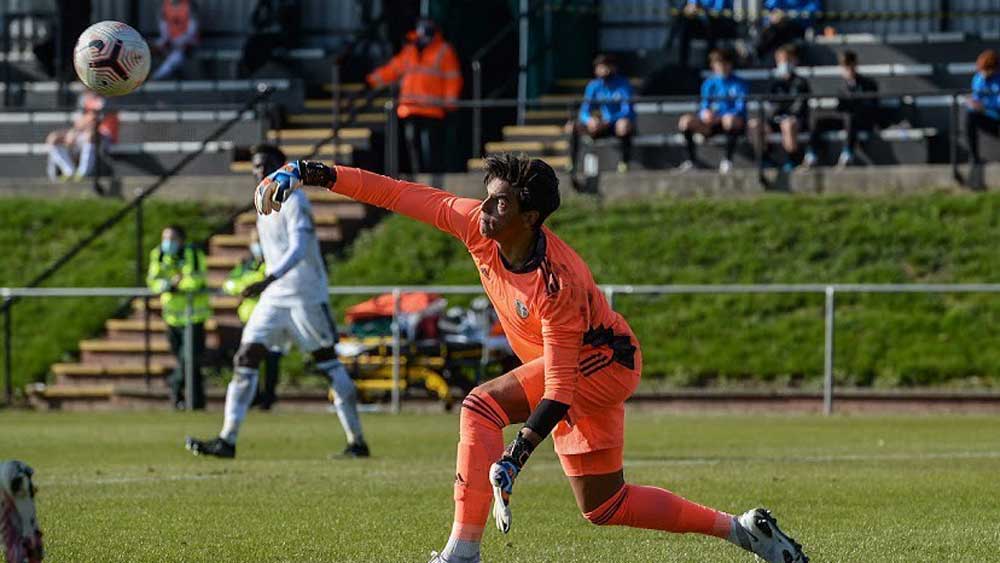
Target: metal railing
{"points": [[829, 291]]}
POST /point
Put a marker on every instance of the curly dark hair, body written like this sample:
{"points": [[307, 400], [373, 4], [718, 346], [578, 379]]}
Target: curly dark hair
{"points": [[533, 180]]}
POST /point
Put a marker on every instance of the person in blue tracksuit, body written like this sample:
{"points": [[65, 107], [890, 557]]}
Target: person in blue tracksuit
{"points": [[984, 103], [710, 20], [606, 110], [785, 21], [723, 110]]}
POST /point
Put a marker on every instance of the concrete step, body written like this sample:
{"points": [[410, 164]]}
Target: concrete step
{"points": [[117, 352], [219, 303], [347, 134], [329, 226], [87, 375], [326, 119], [345, 87], [546, 116], [134, 329], [530, 148], [532, 132], [327, 103]]}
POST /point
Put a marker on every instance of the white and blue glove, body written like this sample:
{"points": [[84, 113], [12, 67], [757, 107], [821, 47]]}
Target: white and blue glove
{"points": [[502, 476], [276, 188]]}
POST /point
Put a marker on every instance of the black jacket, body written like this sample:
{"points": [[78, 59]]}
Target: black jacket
{"points": [[791, 86], [861, 84]]}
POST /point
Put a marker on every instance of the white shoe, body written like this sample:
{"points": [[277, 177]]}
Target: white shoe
{"points": [[437, 558], [726, 166], [809, 160], [845, 159], [685, 166], [767, 541]]}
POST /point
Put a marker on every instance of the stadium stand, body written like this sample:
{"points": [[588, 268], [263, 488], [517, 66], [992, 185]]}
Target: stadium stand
{"points": [[906, 51]]}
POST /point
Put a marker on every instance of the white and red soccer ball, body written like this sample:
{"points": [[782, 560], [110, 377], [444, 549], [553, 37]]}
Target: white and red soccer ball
{"points": [[111, 58]]}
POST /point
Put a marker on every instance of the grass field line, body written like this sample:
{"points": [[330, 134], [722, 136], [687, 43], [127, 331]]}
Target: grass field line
{"points": [[918, 456], [633, 463]]}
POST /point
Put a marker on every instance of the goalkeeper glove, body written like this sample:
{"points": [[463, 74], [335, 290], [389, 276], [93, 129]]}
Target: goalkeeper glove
{"points": [[278, 186]]}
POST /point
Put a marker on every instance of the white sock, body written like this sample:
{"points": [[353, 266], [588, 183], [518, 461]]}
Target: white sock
{"points": [[346, 399], [59, 156], [88, 156], [460, 551], [239, 395]]}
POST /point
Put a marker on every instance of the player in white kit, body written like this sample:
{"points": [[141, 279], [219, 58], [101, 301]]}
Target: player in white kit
{"points": [[293, 304]]}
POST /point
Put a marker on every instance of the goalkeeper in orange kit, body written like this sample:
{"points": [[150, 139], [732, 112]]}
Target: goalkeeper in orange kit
{"points": [[581, 360]]}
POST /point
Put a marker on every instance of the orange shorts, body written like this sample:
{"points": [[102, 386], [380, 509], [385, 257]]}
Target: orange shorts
{"points": [[591, 441]]}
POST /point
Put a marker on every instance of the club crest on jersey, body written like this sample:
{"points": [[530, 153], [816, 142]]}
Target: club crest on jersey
{"points": [[522, 309]]}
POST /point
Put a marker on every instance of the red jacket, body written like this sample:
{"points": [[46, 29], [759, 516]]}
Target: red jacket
{"points": [[431, 79]]}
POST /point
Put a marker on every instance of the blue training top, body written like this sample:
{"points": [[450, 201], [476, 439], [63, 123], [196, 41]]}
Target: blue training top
{"points": [[987, 92], [612, 96], [725, 95], [806, 8], [713, 5]]}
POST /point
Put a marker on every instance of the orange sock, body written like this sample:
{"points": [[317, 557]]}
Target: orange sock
{"points": [[480, 444], [651, 508]]}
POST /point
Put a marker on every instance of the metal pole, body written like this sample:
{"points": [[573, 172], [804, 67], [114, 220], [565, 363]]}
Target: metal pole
{"points": [[609, 294], [477, 111], [336, 108], [761, 149], [140, 274], [8, 363], [953, 125], [828, 353], [522, 62], [189, 354], [396, 348], [146, 340]]}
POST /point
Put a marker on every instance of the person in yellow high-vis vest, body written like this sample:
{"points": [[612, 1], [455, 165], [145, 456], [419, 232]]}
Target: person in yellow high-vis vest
{"points": [[248, 272], [177, 273]]}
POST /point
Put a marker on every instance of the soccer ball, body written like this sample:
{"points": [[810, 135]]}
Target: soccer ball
{"points": [[111, 58]]}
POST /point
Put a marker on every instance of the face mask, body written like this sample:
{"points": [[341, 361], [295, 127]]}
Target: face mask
{"points": [[256, 250], [169, 246], [784, 70]]}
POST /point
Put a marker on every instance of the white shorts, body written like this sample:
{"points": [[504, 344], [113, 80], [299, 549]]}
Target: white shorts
{"points": [[310, 326]]}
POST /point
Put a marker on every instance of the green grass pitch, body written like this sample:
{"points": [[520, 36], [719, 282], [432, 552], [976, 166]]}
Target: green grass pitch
{"points": [[120, 488]]}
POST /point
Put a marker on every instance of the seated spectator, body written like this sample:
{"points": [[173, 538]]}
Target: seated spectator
{"points": [[430, 78], [781, 27], [73, 151], [984, 103], [274, 24], [856, 114], [723, 110], [786, 116], [178, 36], [606, 110], [710, 20]]}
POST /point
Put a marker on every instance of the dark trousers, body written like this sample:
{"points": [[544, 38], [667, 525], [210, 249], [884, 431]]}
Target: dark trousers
{"points": [[424, 144], [852, 123], [773, 36], [579, 129], [175, 334], [266, 393], [707, 28], [976, 121]]}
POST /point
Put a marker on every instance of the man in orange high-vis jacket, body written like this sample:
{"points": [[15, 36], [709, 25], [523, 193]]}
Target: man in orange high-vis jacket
{"points": [[430, 82], [178, 35]]}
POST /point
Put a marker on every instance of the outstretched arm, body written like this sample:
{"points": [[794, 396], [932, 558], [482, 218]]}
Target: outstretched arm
{"points": [[452, 214]]}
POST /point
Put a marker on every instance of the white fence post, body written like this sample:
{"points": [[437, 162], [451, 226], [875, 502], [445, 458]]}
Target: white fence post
{"points": [[828, 351], [396, 347]]}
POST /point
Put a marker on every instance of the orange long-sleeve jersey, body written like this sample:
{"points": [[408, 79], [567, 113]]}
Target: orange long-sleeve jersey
{"points": [[551, 308]]}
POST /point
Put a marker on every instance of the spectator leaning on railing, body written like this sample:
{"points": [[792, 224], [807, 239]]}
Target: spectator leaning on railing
{"points": [[723, 110], [178, 36], [785, 21], [606, 110], [856, 113], [785, 116], [177, 273], [430, 82], [984, 103], [710, 20]]}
